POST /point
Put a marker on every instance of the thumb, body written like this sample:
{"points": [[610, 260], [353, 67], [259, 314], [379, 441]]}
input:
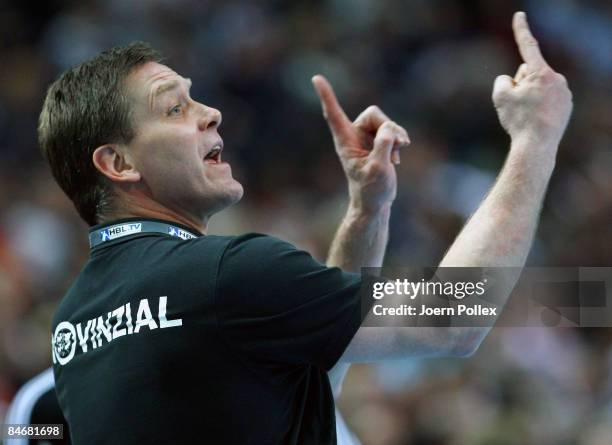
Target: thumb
{"points": [[383, 143], [502, 88], [332, 111]]}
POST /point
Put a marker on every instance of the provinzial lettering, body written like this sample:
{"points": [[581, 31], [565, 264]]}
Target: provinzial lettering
{"points": [[67, 338]]}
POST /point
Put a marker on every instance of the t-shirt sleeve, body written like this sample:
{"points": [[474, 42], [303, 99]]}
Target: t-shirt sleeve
{"points": [[277, 304]]}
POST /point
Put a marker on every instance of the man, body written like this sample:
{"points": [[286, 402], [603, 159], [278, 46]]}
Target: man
{"points": [[172, 336]]}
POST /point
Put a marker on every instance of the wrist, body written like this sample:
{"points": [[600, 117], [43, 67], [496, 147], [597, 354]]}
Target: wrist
{"points": [[529, 165], [364, 201], [543, 142], [358, 210], [538, 153]]}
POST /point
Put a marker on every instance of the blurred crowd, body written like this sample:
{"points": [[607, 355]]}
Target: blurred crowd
{"points": [[430, 65]]}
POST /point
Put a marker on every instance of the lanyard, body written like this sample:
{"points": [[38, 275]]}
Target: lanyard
{"points": [[110, 233]]}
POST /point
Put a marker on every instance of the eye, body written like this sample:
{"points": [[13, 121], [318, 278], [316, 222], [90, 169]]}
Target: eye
{"points": [[175, 111]]}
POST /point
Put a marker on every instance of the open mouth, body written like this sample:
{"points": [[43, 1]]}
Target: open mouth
{"points": [[214, 155]]}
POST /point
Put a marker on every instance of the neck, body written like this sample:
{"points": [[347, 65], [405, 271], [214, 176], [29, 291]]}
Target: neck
{"points": [[159, 212]]}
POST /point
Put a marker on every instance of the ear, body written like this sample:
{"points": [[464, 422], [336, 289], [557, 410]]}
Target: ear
{"points": [[113, 163]]}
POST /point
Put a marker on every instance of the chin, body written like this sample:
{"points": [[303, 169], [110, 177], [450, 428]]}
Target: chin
{"points": [[236, 193], [231, 195]]}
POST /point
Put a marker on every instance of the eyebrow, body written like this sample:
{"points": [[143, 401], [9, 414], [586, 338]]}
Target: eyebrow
{"points": [[167, 86]]}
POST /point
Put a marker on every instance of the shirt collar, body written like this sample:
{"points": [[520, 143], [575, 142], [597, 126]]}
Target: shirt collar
{"points": [[119, 228]]}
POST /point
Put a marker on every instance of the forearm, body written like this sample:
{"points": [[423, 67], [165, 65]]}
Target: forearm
{"points": [[501, 231], [361, 239], [499, 235]]}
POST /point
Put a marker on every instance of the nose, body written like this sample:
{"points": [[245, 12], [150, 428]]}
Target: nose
{"points": [[210, 118]]}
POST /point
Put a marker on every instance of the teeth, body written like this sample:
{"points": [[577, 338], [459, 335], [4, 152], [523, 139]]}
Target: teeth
{"points": [[214, 151]]}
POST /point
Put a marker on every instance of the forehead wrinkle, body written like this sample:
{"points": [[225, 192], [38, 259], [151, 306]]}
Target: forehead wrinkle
{"points": [[167, 86]]}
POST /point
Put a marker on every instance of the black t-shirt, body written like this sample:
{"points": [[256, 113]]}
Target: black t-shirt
{"points": [[216, 339]]}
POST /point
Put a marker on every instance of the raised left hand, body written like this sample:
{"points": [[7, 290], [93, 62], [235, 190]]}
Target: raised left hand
{"points": [[367, 147]]}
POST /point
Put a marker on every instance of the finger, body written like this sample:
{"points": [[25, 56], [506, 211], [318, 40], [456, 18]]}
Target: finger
{"points": [[521, 73], [527, 44], [332, 111], [502, 88], [401, 142], [383, 142], [403, 138], [395, 156], [371, 118]]}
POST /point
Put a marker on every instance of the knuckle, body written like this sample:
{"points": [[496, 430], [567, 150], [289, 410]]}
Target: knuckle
{"points": [[373, 109], [401, 134], [561, 79], [500, 96], [546, 77], [389, 125], [502, 82], [569, 96], [398, 129], [501, 90], [386, 139]]}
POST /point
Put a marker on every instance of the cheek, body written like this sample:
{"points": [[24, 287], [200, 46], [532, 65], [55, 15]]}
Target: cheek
{"points": [[168, 154]]}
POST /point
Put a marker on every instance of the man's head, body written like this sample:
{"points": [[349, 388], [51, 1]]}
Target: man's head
{"points": [[121, 130]]}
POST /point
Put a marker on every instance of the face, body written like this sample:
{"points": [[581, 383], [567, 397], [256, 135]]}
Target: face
{"points": [[177, 148]]}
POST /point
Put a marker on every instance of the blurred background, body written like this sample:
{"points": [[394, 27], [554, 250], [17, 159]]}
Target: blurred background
{"points": [[430, 65]]}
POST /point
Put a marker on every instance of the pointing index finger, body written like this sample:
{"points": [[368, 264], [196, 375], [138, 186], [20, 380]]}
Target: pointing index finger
{"points": [[333, 112], [527, 44]]}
